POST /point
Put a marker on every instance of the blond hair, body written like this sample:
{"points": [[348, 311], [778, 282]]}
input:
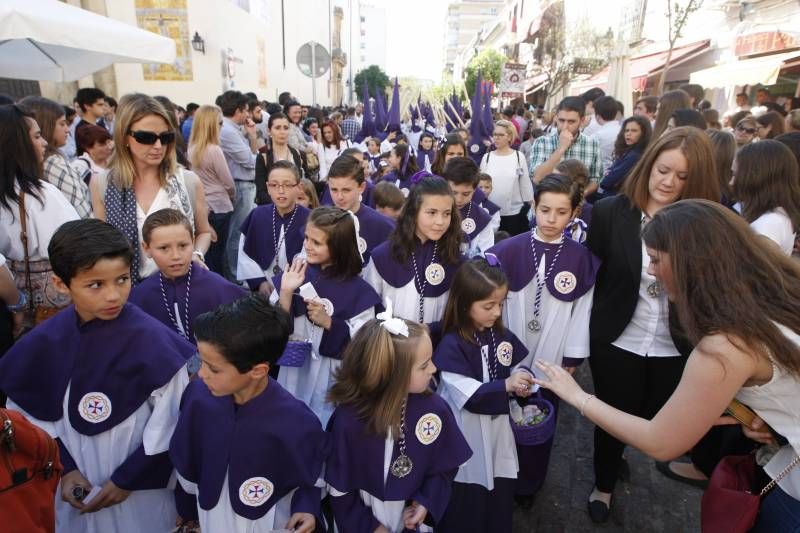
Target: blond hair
{"points": [[205, 131], [131, 109], [510, 129]]}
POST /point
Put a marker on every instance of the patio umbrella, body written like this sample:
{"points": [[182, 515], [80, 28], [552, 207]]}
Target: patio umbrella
{"points": [[53, 41], [619, 78]]}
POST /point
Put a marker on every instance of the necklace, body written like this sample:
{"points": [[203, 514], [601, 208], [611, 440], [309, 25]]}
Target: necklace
{"points": [[491, 361], [172, 317], [536, 323], [434, 274], [276, 270], [468, 224], [402, 466], [654, 289]]}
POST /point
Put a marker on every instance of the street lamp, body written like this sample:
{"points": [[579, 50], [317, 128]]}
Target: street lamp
{"points": [[198, 43]]}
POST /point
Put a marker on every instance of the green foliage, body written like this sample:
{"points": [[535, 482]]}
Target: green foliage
{"points": [[490, 64], [377, 80]]}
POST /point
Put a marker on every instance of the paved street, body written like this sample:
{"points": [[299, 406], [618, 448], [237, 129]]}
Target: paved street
{"points": [[649, 503]]}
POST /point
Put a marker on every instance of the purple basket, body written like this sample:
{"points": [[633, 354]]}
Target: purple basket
{"points": [[295, 354], [541, 432]]}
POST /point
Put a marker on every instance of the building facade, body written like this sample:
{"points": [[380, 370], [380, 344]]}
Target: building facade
{"points": [[464, 20]]}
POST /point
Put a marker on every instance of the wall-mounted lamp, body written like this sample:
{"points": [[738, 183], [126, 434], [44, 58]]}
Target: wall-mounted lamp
{"points": [[198, 43]]}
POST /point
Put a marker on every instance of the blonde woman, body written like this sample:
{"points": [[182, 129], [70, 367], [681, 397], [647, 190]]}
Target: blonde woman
{"points": [[208, 161], [512, 189], [144, 177]]}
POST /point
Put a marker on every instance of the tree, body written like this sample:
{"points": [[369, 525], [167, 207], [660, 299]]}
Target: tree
{"points": [[677, 16], [376, 78], [490, 64]]}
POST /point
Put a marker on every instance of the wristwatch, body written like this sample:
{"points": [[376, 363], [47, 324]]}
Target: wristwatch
{"points": [[20, 305]]}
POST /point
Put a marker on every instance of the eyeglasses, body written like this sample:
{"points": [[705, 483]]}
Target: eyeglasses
{"points": [[751, 131], [498, 134], [281, 186], [150, 137]]}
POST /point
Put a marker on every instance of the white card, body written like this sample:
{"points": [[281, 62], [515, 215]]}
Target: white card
{"points": [[308, 292], [92, 493]]}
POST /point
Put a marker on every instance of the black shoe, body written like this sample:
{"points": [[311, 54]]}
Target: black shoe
{"points": [[599, 512], [624, 471], [663, 467], [525, 501]]}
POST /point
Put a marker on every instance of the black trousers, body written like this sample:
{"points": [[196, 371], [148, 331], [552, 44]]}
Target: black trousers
{"points": [[514, 224], [637, 385]]}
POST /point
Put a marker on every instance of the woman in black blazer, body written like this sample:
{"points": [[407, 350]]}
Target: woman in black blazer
{"points": [[637, 353]]}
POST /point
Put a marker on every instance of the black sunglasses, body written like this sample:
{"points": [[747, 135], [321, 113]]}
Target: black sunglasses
{"points": [[751, 131], [150, 137]]}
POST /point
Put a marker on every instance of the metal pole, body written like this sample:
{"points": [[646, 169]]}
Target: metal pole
{"points": [[313, 73]]}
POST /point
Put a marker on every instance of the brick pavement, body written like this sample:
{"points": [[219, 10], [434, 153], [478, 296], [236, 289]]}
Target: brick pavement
{"points": [[648, 503]]}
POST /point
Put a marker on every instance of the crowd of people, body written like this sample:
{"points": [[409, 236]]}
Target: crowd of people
{"points": [[252, 316]]}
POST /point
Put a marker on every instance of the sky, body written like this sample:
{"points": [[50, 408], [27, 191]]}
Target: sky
{"points": [[415, 37]]}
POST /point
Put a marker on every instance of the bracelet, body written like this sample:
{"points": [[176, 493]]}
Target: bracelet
{"points": [[584, 402], [199, 254], [20, 305]]}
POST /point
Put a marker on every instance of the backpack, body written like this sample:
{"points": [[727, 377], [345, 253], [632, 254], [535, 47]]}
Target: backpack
{"points": [[29, 474]]}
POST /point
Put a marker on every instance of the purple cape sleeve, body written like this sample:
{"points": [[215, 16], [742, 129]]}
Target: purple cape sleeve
{"points": [[490, 399]]}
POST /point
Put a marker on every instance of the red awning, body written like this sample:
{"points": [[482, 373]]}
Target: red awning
{"points": [[645, 66]]}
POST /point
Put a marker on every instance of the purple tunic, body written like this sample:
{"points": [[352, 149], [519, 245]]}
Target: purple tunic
{"points": [[207, 292], [366, 196], [401, 183], [273, 436], [260, 236], [478, 215], [357, 459], [520, 266], [399, 275], [480, 198]]}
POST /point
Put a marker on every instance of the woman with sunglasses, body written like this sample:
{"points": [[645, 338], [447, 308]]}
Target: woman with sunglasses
{"points": [[144, 177], [745, 131]]}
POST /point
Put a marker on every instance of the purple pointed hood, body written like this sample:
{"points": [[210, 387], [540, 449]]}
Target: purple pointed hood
{"points": [[381, 120], [475, 146], [368, 123], [393, 120]]}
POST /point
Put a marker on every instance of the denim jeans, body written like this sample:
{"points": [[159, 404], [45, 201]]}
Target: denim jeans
{"points": [[215, 256], [245, 201], [778, 512]]}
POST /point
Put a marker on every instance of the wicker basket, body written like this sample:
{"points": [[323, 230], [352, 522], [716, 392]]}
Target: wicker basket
{"points": [[295, 354], [541, 432]]}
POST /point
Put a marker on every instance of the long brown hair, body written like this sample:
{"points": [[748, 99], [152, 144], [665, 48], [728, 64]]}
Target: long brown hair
{"points": [[701, 181], [669, 102], [724, 145], [474, 281], [205, 132], [766, 179], [375, 372], [46, 112], [728, 280]]}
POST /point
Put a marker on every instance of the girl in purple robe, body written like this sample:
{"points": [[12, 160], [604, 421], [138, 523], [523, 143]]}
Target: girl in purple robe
{"points": [[332, 304], [425, 151], [415, 267], [395, 447], [403, 165], [479, 359], [181, 289]]}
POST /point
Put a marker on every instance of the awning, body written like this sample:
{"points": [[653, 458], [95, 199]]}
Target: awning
{"points": [[760, 70], [644, 66], [536, 82]]}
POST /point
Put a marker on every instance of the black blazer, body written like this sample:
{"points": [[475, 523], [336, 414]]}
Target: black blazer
{"points": [[614, 236]]}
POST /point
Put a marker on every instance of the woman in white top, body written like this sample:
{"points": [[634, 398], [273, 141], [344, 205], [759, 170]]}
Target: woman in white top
{"points": [[512, 189], [738, 300], [23, 149], [51, 118], [144, 177], [330, 148], [767, 186]]}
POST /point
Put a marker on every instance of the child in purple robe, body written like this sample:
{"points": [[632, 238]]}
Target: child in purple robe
{"points": [[425, 151], [340, 303], [181, 289], [462, 175], [246, 450], [105, 380], [415, 267], [551, 284], [272, 234], [478, 359], [346, 184], [373, 156], [403, 165], [395, 446]]}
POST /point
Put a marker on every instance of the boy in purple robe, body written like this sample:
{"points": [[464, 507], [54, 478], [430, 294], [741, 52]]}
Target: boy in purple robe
{"points": [[366, 195], [244, 448], [181, 289], [272, 234], [347, 184], [105, 380], [462, 175]]}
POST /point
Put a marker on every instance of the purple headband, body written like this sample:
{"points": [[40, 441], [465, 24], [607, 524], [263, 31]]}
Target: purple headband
{"points": [[492, 260]]}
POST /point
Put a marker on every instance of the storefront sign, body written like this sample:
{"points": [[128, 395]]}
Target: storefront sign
{"points": [[765, 42]]}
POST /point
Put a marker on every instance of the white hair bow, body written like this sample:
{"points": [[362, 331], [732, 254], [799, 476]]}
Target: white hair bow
{"points": [[395, 326]]}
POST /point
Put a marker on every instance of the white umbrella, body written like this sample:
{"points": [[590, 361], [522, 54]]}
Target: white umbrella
{"points": [[619, 78], [53, 41]]}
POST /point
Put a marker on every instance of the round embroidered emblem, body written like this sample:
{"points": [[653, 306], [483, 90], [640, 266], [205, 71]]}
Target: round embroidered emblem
{"points": [[565, 282], [94, 407], [362, 245], [434, 274], [468, 225], [504, 353], [428, 428], [328, 305], [475, 148], [255, 491]]}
